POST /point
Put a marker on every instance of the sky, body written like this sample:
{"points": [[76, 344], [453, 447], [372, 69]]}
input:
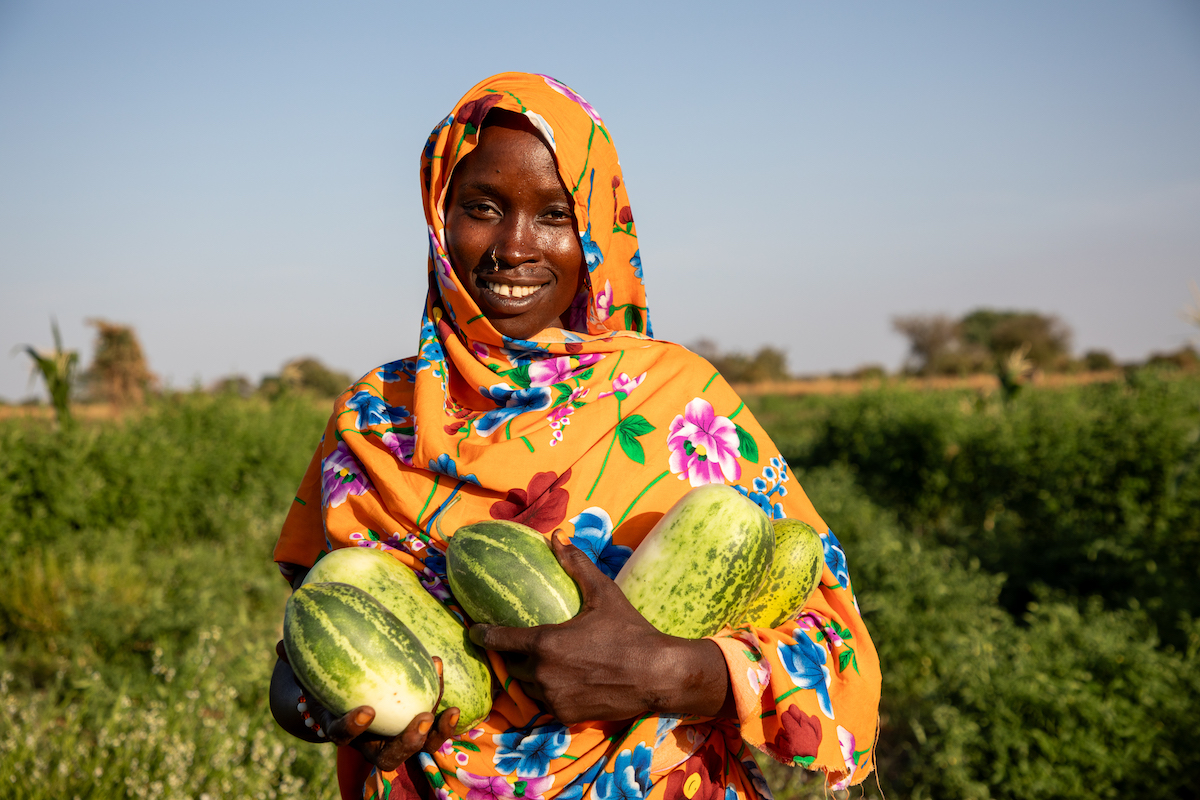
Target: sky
{"points": [[238, 180]]}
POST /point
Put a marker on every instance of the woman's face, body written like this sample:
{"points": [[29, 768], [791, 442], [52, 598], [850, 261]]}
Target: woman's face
{"points": [[506, 200]]}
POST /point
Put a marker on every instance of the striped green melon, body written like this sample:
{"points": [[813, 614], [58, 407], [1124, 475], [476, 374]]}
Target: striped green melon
{"points": [[795, 571], [701, 563], [348, 651], [505, 573], [466, 678]]}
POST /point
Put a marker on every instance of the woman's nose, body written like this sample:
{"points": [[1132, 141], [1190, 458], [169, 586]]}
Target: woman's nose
{"points": [[516, 242]]}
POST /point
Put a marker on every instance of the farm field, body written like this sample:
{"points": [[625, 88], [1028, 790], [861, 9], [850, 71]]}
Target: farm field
{"points": [[1030, 572]]}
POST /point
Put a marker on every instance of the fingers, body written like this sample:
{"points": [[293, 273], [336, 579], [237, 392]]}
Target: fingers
{"points": [[437, 665], [398, 749], [281, 651], [576, 564], [347, 727], [443, 729], [503, 639]]}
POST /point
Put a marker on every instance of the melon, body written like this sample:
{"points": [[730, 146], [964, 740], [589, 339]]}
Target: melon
{"points": [[466, 678], [349, 651], [795, 571], [701, 564], [504, 573]]}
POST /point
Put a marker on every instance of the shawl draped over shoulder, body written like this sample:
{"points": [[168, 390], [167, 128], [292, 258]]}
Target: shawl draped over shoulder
{"points": [[598, 430]]}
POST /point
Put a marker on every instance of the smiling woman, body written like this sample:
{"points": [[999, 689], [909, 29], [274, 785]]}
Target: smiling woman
{"points": [[539, 394]]}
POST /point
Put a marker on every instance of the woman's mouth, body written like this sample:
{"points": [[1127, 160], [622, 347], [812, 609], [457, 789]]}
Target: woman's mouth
{"points": [[509, 291]]}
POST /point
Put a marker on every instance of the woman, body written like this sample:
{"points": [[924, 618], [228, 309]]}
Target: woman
{"points": [[539, 395]]}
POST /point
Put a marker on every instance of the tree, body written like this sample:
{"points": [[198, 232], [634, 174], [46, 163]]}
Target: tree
{"points": [[934, 344], [119, 373], [58, 369], [307, 374], [1002, 333]]}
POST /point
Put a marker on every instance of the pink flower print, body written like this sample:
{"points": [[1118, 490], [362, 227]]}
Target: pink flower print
{"points": [[483, 787], [623, 386], [447, 748], [604, 301], [342, 476], [461, 758], [846, 741], [550, 371], [441, 264], [535, 788], [558, 419], [758, 675], [563, 89], [480, 350], [704, 447], [401, 445]]}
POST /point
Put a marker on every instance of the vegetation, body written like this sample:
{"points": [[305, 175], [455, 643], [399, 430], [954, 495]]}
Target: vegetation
{"points": [[57, 368], [1027, 570], [984, 340]]}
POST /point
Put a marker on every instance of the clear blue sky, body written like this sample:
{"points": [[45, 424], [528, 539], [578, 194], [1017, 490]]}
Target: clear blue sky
{"points": [[238, 180]]}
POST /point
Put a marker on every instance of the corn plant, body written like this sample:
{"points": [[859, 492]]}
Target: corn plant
{"points": [[58, 369]]}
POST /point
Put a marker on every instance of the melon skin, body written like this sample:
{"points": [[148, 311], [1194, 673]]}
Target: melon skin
{"points": [[347, 650], [701, 564], [504, 573], [795, 571], [466, 677]]}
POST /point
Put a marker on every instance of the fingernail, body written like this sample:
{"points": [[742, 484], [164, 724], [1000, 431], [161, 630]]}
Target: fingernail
{"points": [[424, 726], [362, 718], [454, 718], [562, 537]]}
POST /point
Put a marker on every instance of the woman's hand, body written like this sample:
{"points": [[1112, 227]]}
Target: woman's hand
{"points": [[424, 732], [608, 662]]}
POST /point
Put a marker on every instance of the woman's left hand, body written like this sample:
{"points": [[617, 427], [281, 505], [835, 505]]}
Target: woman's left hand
{"points": [[608, 662]]}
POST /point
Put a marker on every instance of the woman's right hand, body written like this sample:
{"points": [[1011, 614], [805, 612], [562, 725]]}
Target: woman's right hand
{"points": [[425, 731]]}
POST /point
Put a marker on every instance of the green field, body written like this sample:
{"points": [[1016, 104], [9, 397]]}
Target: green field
{"points": [[1030, 572]]}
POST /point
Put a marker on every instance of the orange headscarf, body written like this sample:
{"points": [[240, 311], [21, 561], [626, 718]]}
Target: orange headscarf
{"points": [[596, 429]]}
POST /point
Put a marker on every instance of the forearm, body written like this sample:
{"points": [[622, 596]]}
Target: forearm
{"points": [[691, 677]]}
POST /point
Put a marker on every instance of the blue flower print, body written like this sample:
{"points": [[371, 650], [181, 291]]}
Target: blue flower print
{"points": [[433, 135], [402, 370], [431, 348], [666, 724], [574, 789], [591, 250], [446, 466], [593, 535], [757, 780], [835, 559], [512, 402], [630, 778], [636, 263], [529, 753], [374, 410], [804, 662], [730, 792], [764, 488]]}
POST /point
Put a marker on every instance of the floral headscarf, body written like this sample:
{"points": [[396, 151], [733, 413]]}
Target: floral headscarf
{"points": [[596, 429]]}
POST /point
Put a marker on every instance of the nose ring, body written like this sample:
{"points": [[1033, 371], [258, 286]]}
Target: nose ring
{"points": [[495, 261]]}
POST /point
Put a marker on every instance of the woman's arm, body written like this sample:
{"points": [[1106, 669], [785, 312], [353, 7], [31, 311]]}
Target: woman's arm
{"points": [[608, 662]]}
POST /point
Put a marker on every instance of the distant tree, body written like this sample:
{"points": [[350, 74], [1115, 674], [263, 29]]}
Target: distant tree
{"points": [[1185, 358], [1097, 360], [234, 384], [935, 345], [768, 364], [310, 375], [118, 373], [1002, 333], [58, 370]]}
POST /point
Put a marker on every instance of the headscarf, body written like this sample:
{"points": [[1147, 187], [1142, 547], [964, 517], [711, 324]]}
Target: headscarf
{"points": [[597, 429]]}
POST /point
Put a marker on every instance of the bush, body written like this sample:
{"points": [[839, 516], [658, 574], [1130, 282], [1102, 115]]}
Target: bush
{"points": [[1094, 491], [1071, 701]]}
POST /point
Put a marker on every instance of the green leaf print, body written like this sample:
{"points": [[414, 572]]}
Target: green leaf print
{"points": [[633, 318], [746, 444], [628, 430]]}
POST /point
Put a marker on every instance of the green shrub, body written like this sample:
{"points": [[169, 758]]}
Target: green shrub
{"points": [[1093, 491]]}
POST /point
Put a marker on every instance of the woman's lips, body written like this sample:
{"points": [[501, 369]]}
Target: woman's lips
{"points": [[510, 297]]}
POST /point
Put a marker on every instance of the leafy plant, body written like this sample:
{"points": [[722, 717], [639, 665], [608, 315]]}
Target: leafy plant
{"points": [[58, 370]]}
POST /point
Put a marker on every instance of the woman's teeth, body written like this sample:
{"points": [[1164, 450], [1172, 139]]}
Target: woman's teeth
{"points": [[506, 290]]}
